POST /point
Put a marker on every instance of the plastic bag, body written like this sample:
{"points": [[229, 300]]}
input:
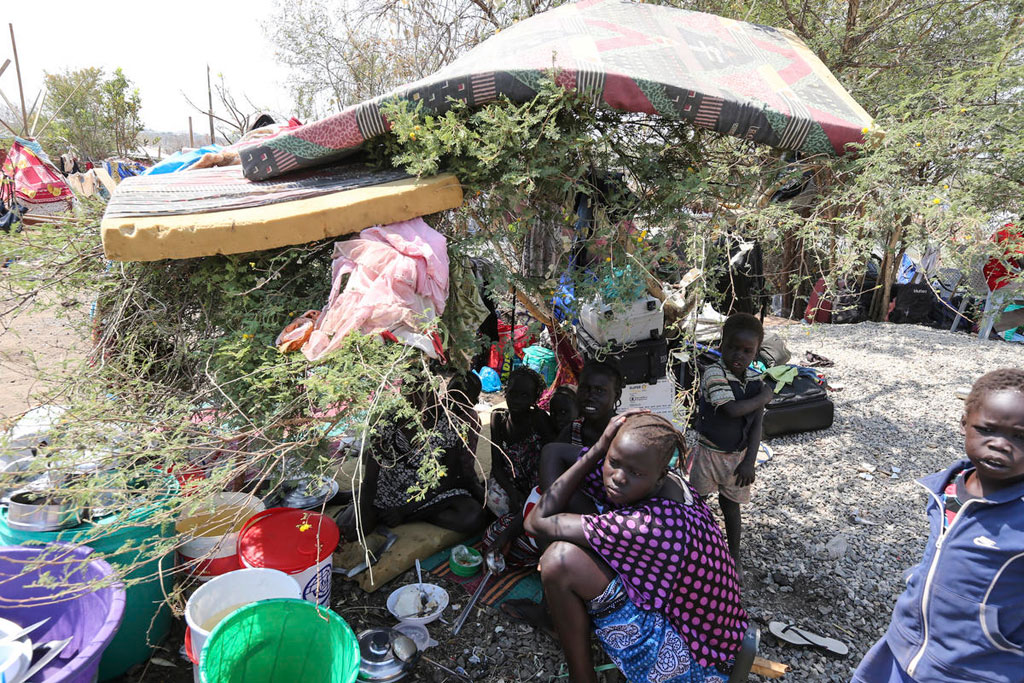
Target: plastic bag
{"points": [[489, 379]]}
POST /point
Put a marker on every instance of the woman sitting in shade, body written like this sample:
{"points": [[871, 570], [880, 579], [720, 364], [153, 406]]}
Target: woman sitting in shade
{"points": [[399, 464]]}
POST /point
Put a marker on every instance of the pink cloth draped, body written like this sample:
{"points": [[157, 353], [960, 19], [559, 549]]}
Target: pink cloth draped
{"points": [[398, 283]]}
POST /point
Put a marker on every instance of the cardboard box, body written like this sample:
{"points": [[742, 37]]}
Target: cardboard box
{"points": [[657, 398]]}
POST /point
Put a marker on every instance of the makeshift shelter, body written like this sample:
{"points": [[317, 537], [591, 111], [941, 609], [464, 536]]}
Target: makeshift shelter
{"points": [[754, 82], [31, 180]]}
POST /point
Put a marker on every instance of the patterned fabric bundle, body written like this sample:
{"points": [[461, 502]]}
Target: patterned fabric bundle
{"points": [[753, 82], [397, 284], [37, 184]]}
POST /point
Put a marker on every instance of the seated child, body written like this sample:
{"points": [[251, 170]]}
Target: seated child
{"points": [[562, 407], [518, 434], [651, 572], [597, 398], [730, 407], [960, 617], [392, 473]]}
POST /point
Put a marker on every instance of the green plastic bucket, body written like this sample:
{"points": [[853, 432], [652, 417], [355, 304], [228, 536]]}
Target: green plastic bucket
{"points": [[542, 360], [119, 540], [280, 641]]}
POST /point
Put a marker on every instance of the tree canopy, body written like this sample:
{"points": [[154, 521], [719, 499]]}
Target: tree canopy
{"points": [[92, 115]]}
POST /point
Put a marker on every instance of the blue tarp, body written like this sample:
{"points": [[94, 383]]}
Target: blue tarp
{"points": [[179, 161]]}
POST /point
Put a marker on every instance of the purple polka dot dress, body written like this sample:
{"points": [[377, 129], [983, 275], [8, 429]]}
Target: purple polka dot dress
{"points": [[671, 559]]}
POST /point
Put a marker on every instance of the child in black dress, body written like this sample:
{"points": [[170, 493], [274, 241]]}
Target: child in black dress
{"points": [[518, 434]]}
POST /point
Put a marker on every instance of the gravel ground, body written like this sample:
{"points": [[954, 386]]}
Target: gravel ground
{"points": [[805, 560]]}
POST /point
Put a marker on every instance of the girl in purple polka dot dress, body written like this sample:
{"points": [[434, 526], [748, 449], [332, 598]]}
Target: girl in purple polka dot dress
{"points": [[651, 574]]}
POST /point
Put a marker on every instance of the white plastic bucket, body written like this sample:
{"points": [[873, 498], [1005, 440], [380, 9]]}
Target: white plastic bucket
{"points": [[298, 542], [206, 556], [222, 595]]}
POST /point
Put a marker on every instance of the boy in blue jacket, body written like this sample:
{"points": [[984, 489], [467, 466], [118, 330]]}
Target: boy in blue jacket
{"points": [[961, 617]]}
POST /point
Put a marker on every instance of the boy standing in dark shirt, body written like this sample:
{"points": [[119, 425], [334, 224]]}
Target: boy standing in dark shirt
{"points": [[730, 409]]}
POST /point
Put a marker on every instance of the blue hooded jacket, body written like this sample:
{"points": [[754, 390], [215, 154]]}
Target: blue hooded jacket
{"points": [[961, 617]]}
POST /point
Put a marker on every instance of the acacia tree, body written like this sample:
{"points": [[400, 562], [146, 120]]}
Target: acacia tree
{"points": [[122, 105], [81, 124], [942, 78], [342, 52], [93, 116]]}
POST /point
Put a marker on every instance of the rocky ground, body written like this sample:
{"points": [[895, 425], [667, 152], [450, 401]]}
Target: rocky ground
{"points": [[807, 560]]}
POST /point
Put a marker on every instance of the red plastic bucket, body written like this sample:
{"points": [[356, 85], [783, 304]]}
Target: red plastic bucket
{"points": [[299, 543]]}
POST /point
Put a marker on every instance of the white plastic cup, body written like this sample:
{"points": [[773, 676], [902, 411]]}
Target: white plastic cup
{"points": [[222, 595]]}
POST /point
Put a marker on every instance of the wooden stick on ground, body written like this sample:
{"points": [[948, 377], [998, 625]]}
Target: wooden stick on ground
{"points": [[768, 669]]}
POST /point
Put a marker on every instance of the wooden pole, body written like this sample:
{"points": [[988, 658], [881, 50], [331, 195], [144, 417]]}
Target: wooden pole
{"points": [[17, 70], [59, 109], [3, 67], [209, 93], [35, 119], [191, 139]]}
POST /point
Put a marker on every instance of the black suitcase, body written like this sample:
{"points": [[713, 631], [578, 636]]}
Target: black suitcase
{"points": [[644, 361], [801, 406]]}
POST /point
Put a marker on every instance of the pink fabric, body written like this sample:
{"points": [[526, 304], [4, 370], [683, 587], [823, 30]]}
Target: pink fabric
{"points": [[398, 283]]}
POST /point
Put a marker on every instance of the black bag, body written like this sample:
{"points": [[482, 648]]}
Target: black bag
{"points": [[644, 361], [801, 406], [846, 307], [773, 351], [914, 304]]}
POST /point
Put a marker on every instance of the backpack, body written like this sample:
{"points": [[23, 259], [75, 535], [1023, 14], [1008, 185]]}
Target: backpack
{"points": [[913, 304], [847, 306], [773, 351]]}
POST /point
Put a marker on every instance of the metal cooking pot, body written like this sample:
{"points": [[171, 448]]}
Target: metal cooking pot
{"points": [[385, 655], [36, 511]]}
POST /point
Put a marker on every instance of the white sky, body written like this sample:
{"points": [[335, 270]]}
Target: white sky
{"points": [[162, 47]]}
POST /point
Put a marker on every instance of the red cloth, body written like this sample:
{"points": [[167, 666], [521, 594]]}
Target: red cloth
{"points": [[997, 275], [819, 309]]}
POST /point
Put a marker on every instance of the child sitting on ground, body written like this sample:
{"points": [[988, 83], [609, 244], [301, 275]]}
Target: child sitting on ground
{"points": [[730, 408], [960, 617], [562, 407], [518, 434], [597, 398], [650, 572]]}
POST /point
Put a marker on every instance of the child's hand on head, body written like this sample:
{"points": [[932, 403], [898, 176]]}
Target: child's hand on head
{"points": [[612, 429]]}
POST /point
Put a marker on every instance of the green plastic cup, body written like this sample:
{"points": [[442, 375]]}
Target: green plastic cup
{"points": [[280, 641], [470, 569]]}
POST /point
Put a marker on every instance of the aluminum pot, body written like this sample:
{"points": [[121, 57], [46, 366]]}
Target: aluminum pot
{"points": [[380, 661], [30, 510]]}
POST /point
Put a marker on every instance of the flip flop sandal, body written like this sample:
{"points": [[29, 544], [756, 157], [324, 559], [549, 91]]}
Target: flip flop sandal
{"points": [[813, 360], [798, 636]]}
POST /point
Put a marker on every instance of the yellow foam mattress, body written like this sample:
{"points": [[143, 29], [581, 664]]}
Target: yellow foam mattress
{"points": [[234, 231]]}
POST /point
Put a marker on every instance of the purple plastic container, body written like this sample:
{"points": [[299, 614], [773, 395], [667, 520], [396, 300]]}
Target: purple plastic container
{"points": [[76, 609]]}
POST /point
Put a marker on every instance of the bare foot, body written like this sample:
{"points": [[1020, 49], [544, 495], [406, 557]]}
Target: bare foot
{"points": [[531, 613]]}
